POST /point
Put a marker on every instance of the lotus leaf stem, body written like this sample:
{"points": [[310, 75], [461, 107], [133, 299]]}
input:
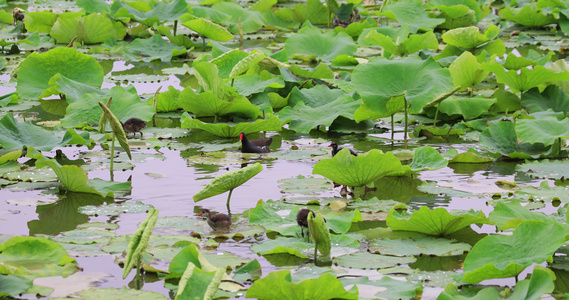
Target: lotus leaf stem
{"points": [[112, 155], [406, 119], [228, 199]]}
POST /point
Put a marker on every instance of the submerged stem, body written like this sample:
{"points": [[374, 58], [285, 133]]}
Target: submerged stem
{"points": [[112, 155]]}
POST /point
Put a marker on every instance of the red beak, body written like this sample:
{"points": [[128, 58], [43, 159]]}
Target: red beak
{"points": [[199, 214], [240, 137], [330, 145]]}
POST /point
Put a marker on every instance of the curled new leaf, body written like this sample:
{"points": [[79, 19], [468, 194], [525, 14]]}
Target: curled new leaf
{"points": [[117, 128], [228, 181], [198, 284], [139, 241], [320, 233]]}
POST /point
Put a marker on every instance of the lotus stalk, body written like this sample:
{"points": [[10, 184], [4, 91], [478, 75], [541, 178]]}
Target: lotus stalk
{"points": [[118, 131]]}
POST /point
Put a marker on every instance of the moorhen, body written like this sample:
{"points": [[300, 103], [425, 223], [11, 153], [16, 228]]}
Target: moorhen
{"points": [[217, 221], [134, 125], [254, 146], [335, 149], [302, 220]]}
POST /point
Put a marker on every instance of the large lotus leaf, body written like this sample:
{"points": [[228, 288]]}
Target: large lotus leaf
{"points": [[66, 27], [413, 13], [420, 81], [209, 29], [14, 135], [524, 79], [434, 222], [159, 13], [304, 118], [529, 15], [314, 12], [468, 37], [32, 257], [207, 104], [251, 20], [314, 97], [534, 288], [90, 29], [326, 46], [40, 21], [247, 85], [468, 108], [512, 214], [404, 46], [346, 169], [502, 138], [427, 158], [228, 60], [546, 169], [272, 123], [366, 260], [197, 284], [418, 246], [72, 89], [14, 285], [545, 130], [125, 105], [247, 63], [152, 48], [94, 6], [37, 69], [279, 285], [466, 71], [502, 256], [553, 97], [228, 181]]}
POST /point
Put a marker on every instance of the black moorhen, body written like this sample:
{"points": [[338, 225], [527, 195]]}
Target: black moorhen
{"points": [[335, 149], [254, 146], [302, 220], [134, 125], [217, 221]]}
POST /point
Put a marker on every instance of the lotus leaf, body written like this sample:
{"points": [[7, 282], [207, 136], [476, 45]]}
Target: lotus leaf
{"points": [[160, 12], [114, 293], [252, 84], [37, 69], [153, 48], [314, 12], [346, 169], [413, 13], [427, 158], [552, 97], [228, 181], [227, 61], [139, 241], [524, 79], [207, 104], [288, 246], [545, 130], [320, 233], [420, 81], [512, 214], [197, 284], [502, 138], [89, 29], [404, 46], [272, 123], [40, 21], [390, 288], [502, 256], [15, 135], [279, 285], [326, 46], [303, 118], [209, 29], [94, 6], [418, 246], [554, 169], [529, 15], [466, 71], [469, 37], [73, 90], [322, 71], [315, 97], [366, 260], [246, 63], [468, 108], [167, 101], [436, 222], [249, 20], [12, 285], [32, 257]]}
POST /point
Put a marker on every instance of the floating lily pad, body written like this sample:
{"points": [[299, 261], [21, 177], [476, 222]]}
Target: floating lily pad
{"points": [[385, 288], [116, 294], [228, 181], [115, 209], [546, 169], [232, 130], [366, 260], [325, 46], [304, 185], [418, 246]]}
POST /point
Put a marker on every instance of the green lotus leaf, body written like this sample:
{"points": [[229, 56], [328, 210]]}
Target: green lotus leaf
{"points": [[553, 97], [40, 21], [12, 285], [279, 285], [502, 138], [524, 79], [10, 156], [72, 89], [545, 130], [390, 288], [197, 284], [251, 20], [420, 81], [252, 84], [528, 15], [246, 63], [346, 169], [228, 181], [502, 256], [413, 13], [37, 69], [366, 260], [34, 42], [15, 135], [94, 6], [402, 47], [90, 29], [160, 12], [315, 97], [427, 158], [227, 61], [320, 233], [272, 123], [326, 46], [209, 29], [303, 118], [208, 104], [114, 293], [436, 222], [468, 108], [546, 169], [466, 71], [167, 101], [153, 48], [512, 214], [125, 105], [418, 246], [32, 257], [314, 11], [139, 241], [322, 71], [468, 37]]}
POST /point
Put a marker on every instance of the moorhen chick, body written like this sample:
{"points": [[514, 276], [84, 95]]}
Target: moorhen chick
{"points": [[217, 221], [254, 146], [134, 125], [335, 149], [302, 221]]}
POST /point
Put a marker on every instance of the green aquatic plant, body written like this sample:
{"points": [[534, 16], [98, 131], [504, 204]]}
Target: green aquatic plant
{"points": [[138, 242]]}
